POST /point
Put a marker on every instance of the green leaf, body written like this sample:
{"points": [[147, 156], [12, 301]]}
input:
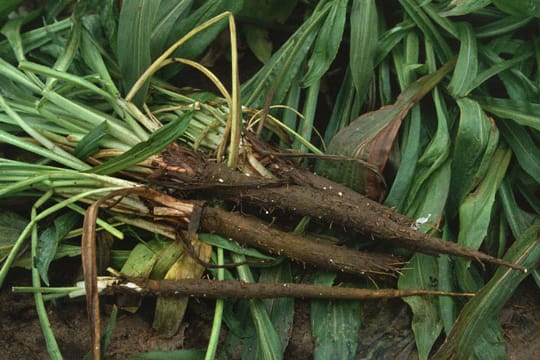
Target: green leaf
{"points": [[464, 7], [233, 246], [519, 7], [268, 345], [196, 45], [277, 76], [280, 310], [479, 311], [157, 142], [390, 38], [521, 111], [475, 211], [327, 43], [63, 62], [343, 106], [364, 38], [518, 219], [334, 324], [523, 146], [49, 240], [267, 11], [422, 273], [7, 6], [170, 12], [134, 33], [474, 135], [11, 225], [370, 137], [431, 32], [63, 250], [496, 69], [258, 40], [467, 62], [409, 157], [89, 144]]}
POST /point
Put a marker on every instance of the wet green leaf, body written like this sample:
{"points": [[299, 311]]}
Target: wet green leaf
{"points": [[409, 157], [7, 6], [267, 11], [430, 31]]}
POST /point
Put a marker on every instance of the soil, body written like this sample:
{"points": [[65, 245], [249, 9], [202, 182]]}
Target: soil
{"points": [[385, 332]]}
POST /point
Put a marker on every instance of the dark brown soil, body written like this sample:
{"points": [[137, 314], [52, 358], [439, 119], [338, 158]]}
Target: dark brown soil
{"points": [[385, 333]]}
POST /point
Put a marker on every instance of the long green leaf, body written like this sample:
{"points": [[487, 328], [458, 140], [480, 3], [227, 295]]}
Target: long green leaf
{"points": [[475, 132], [134, 33], [49, 240], [421, 273], [334, 325], [280, 310], [475, 316], [521, 111], [519, 7], [464, 7], [158, 141], [467, 62], [278, 74], [475, 210], [364, 38], [523, 146], [196, 45], [169, 13]]}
